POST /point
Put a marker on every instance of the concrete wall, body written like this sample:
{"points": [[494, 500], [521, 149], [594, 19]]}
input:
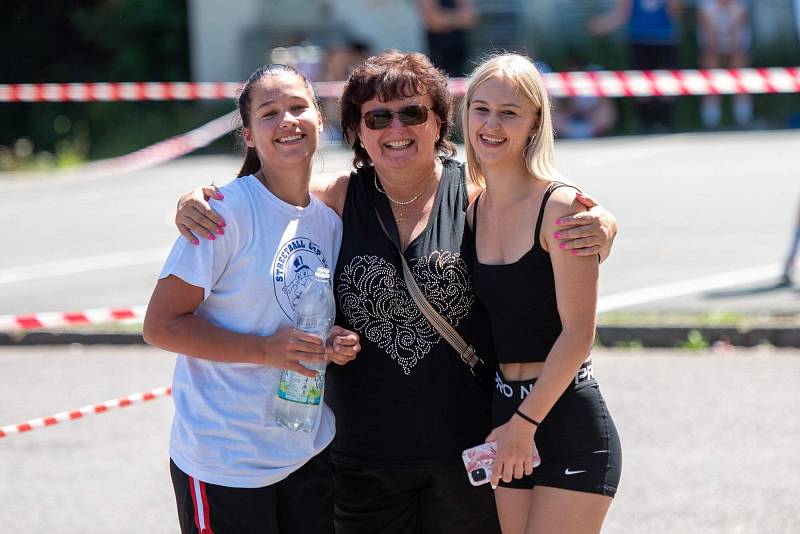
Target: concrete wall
{"points": [[215, 29], [229, 39], [382, 23]]}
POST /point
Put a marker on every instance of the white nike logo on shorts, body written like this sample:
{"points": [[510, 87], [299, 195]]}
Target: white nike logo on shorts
{"points": [[567, 471]]}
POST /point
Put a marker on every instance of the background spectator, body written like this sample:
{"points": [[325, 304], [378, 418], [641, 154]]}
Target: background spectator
{"points": [[652, 30], [724, 40], [341, 55], [581, 117], [788, 268], [797, 16], [446, 22]]}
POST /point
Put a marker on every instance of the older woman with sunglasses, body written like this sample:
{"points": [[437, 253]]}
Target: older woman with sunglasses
{"points": [[408, 406]]}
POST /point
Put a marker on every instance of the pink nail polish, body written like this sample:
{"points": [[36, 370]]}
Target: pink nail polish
{"points": [[562, 245], [195, 242], [557, 235], [211, 237], [558, 221], [219, 230], [573, 252], [222, 224]]}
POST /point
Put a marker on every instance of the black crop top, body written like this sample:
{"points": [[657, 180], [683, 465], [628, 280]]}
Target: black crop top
{"points": [[520, 298]]}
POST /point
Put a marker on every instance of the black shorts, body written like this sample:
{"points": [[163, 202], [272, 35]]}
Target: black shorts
{"points": [[424, 500], [577, 441], [298, 504]]}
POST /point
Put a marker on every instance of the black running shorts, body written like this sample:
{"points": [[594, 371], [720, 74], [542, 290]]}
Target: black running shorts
{"points": [[577, 441]]}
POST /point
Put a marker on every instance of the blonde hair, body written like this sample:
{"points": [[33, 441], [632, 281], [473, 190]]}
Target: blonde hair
{"points": [[520, 71]]}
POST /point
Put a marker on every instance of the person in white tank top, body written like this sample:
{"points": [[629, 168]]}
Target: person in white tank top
{"points": [[724, 39]]}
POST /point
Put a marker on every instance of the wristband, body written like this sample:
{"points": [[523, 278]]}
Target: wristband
{"points": [[532, 421]]}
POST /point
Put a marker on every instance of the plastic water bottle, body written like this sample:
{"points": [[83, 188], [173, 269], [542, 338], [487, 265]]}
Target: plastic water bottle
{"points": [[299, 399]]}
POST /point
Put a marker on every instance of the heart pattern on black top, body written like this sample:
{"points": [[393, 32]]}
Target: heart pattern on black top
{"points": [[374, 297]]}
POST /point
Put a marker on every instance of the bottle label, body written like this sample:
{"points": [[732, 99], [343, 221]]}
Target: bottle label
{"points": [[301, 389]]}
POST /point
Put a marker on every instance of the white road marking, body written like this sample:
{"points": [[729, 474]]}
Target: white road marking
{"points": [[605, 304], [83, 265], [687, 287]]}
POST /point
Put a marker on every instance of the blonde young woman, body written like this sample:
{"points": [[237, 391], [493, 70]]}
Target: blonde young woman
{"points": [[541, 302]]}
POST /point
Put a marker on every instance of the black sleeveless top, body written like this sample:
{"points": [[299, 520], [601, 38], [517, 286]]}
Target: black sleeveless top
{"points": [[520, 298], [407, 400]]}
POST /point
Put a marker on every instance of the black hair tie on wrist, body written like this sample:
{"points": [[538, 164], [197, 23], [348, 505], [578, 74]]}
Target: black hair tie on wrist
{"points": [[532, 421]]}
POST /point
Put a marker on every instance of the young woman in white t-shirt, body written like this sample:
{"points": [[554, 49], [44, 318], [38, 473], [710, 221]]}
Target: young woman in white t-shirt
{"points": [[226, 307]]}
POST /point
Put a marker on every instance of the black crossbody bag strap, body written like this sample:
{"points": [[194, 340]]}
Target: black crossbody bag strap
{"points": [[465, 351]]}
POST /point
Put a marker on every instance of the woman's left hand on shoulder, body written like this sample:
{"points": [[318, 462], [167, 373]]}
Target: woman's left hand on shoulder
{"points": [[515, 447], [343, 345], [589, 232]]}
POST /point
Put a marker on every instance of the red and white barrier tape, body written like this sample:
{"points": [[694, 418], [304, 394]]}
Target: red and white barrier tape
{"points": [[117, 91], [11, 323], [86, 410], [163, 151], [625, 83], [599, 83], [674, 82]]}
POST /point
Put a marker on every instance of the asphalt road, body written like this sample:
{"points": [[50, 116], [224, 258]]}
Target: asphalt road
{"points": [[710, 441], [690, 206]]}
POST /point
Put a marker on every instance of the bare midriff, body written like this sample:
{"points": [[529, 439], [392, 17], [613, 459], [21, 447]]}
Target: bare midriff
{"points": [[514, 372], [521, 371]]}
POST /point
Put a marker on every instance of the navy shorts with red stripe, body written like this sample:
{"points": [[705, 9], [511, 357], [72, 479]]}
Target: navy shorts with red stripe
{"points": [[299, 504]]}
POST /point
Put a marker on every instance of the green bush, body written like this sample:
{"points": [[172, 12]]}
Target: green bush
{"points": [[694, 341], [95, 40]]}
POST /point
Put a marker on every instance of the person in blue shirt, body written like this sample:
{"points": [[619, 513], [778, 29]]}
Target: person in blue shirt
{"points": [[652, 30]]}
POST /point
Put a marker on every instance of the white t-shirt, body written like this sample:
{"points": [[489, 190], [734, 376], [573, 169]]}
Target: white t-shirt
{"points": [[224, 431]]}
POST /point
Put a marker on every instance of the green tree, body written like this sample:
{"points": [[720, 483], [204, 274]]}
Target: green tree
{"points": [[96, 40]]}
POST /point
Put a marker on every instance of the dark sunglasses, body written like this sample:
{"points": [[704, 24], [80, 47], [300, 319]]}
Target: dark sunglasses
{"points": [[378, 119]]}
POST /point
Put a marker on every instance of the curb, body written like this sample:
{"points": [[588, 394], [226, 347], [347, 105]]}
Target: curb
{"points": [[609, 336], [68, 338], [672, 336]]}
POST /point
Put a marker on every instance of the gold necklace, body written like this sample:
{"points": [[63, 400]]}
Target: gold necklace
{"points": [[400, 217]]}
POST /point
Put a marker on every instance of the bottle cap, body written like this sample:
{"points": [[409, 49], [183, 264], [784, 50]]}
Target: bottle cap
{"points": [[323, 272]]}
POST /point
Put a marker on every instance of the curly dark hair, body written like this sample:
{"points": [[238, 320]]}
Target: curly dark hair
{"points": [[390, 76]]}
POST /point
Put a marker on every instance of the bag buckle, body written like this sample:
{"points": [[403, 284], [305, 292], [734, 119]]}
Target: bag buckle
{"points": [[470, 357]]}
